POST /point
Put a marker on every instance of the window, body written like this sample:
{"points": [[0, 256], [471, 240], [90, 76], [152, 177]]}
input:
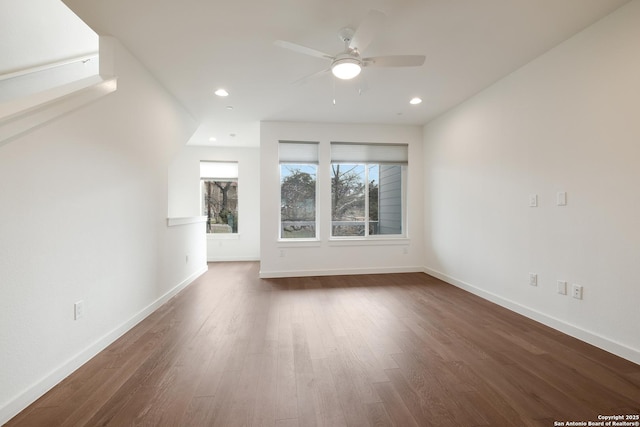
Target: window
{"points": [[219, 189], [298, 189], [367, 189]]}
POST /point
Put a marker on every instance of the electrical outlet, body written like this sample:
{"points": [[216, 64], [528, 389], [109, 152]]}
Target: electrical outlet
{"points": [[562, 287], [533, 279], [78, 310], [576, 291], [533, 200]]}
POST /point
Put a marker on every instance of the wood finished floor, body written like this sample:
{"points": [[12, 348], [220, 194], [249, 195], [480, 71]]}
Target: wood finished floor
{"points": [[371, 350]]}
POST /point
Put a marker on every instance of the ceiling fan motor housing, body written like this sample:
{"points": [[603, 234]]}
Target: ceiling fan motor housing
{"points": [[346, 35]]}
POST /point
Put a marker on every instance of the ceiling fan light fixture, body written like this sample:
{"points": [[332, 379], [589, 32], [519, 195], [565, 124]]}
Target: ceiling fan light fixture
{"points": [[346, 68]]}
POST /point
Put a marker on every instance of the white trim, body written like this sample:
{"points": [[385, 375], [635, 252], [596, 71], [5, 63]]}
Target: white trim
{"points": [[339, 272], [369, 241], [590, 337], [223, 236], [299, 243], [26, 398], [24, 114], [173, 222], [232, 258]]}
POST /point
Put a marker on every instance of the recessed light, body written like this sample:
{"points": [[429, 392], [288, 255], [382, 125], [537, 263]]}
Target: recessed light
{"points": [[415, 101], [221, 92], [212, 139], [229, 107]]}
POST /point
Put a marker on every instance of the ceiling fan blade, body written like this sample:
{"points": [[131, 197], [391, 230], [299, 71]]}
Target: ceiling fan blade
{"points": [[302, 49], [367, 30], [305, 79], [394, 61]]}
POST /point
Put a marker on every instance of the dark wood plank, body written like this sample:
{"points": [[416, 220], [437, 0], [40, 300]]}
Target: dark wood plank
{"points": [[377, 416], [394, 406]]}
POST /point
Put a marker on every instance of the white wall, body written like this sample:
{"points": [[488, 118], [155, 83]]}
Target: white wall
{"points": [[184, 198], [567, 121], [287, 258], [83, 203], [38, 32]]}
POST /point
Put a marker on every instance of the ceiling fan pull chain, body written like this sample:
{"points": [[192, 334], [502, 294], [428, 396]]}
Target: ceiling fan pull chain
{"points": [[333, 80]]}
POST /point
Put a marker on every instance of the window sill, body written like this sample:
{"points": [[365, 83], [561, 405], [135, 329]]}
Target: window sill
{"points": [[223, 236], [377, 241], [299, 243]]}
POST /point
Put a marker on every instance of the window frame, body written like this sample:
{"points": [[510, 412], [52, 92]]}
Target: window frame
{"points": [[403, 204], [316, 221], [367, 154], [303, 153], [227, 178]]}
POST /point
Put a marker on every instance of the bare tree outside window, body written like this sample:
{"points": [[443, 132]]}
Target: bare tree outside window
{"points": [[347, 200], [366, 200], [220, 205], [297, 201]]}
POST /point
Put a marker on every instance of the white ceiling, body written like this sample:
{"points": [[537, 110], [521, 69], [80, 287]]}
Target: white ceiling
{"points": [[196, 46]]}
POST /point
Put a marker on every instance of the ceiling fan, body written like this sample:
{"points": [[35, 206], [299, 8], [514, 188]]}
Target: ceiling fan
{"points": [[348, 63]]}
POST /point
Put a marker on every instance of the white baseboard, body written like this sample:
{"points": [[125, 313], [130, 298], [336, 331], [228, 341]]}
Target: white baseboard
{"points": [[232, 258], [33, 393], [575, 331], [338, 272]]}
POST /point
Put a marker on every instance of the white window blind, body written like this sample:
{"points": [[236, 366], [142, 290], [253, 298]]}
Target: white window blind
{"points": [[298, 152], [219, 170], [348, 152]]}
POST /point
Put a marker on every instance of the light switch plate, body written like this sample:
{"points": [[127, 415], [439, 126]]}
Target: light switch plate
{"points": [[561, 198], [562, 287], [78, 310]]}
